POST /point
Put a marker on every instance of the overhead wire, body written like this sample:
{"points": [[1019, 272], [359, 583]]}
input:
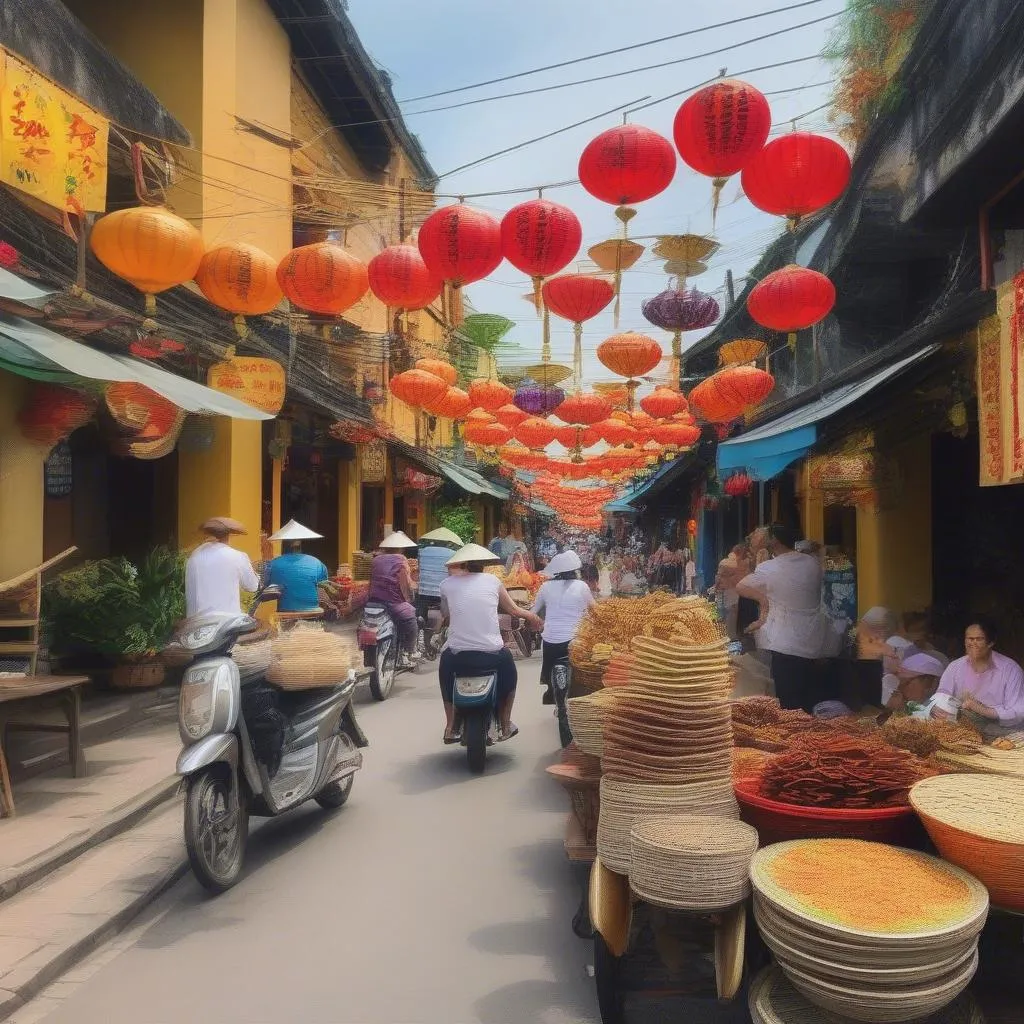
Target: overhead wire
{"points": [[621, 49]]}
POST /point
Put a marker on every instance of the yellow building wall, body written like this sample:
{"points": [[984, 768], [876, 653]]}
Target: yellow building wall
{"points": [[21, 485]]}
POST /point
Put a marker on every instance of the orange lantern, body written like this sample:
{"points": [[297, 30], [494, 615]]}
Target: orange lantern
{"points": [[439, 368], [629, 354], [139, 409], [255, 381], [489, 394], [727, 394], [616, 431], [535, 432], [322, 278], [676, 435], [418, 388], [584, 409], [241, 279], [490, 435], [150, 247], [510, 415], [663, 402], [454, 404], [565, 435], [479, 416]]}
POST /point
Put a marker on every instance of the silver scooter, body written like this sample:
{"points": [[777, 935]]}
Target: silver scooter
{"points": [[306, 746]]}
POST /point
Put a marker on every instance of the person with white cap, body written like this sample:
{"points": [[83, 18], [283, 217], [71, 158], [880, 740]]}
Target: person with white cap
{"points": [[297, 574], [471, 602], [391, 585], [436, 547], [918, 679], [216, 574], [562, 601]]}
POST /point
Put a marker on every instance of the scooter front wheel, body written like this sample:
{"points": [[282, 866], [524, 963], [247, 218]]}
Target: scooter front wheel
{"points": [[216, 828]]}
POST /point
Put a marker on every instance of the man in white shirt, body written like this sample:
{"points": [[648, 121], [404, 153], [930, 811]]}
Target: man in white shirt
{"points": [[216, 573], [788, 589]]}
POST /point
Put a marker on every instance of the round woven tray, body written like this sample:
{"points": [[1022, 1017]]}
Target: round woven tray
{"points": [[846, 864], [691, 862], [977, 823], [774, 1000], [586, 720]]}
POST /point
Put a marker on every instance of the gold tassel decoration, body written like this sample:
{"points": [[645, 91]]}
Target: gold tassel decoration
{"points": [[577, 354], [716, 197], [624, 214], [545, 349], [792, 341]]}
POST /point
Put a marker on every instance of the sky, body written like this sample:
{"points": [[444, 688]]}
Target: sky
{"points": [[427, 48]]}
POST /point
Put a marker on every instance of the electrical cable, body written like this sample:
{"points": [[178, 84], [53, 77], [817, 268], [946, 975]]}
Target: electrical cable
{"points": [[609, 53]]}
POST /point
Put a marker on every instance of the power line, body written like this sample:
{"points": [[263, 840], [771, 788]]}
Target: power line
{"points": [[539, 138], [608, 53], [630, 71]]}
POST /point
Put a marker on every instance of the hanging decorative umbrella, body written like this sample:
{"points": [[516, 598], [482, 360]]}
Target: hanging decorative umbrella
{"points": [[796, 175], [615, 256], [685, 255], [744, 350], [791, 299], [485, 330], [547, 373], [720, 129], [679, 310]]}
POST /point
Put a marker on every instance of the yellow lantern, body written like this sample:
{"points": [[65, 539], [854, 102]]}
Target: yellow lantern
{"points": [[256, 381], [150, 247]]}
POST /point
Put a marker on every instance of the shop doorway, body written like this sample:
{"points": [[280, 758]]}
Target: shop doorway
{"points": [[371, 517]]}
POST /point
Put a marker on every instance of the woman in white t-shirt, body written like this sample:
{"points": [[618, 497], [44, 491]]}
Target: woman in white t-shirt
{"points": [[562, 601], [471, 600]]}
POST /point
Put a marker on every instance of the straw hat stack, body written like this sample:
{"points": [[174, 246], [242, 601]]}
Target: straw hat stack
{"points": [[667, 736]]}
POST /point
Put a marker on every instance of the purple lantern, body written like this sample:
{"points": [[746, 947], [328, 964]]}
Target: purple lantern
{"points": [[679, 310], [538, 399]]}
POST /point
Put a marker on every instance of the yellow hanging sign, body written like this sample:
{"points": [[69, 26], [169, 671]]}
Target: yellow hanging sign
{"points": [[52, 145], [257, 382]]}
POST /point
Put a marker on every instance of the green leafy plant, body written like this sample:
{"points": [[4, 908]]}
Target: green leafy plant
{"points": [[114, 608], [459, 518]]}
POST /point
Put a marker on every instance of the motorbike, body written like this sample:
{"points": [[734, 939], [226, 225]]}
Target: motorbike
{"points": [[226, 772], [476, 708], [377, 637], [561, 678], [433, 633]]}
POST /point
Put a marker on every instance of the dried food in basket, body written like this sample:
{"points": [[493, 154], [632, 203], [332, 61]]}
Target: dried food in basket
{"points": [[924, 736]]}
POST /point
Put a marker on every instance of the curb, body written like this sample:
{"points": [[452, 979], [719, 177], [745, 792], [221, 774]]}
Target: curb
{"points": [[65, 959], [117, 821]]}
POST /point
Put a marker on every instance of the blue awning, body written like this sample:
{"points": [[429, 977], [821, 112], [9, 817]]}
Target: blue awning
{"points": [[767, 450], [664, 476]]}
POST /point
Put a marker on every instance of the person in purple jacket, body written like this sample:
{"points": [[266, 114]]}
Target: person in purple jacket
{"points": [[391, 585]]}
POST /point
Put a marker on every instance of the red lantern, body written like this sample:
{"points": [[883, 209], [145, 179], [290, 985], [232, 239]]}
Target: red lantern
{"points": [[722, 127], [323, 278], [566, 435], [439, 368], [615, 431], [791, 299], [400, 279], [489, 435], [535, 432], [478, 416], [584, 409], [726, 395], [797, 175], [577, 297], [511, 415], [675, 435], [739, 485], [489, 394], [630, 354], [454, 404], [540, 237], [627, 164], [53, 413], [460, 245], [418, 388], [662, 403]]}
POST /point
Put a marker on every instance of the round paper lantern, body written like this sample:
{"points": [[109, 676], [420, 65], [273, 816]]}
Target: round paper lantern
{"points": [[721, 128], [627, 164], [617, 432], [52, 413], [150, 247], [239, 278], [490, 435], [460, 245], [797, 175], [566, 435], [577, 297], [791, 299], [454, 404], [489, 394], [675, 435], [584, 409], [629, 354], [538, 399], [510, 415], [727, 394], [398, 277], [418, 388], [540, 237], [662, 403], [681, 309], [439, 368], [322, 278], [535, 432]]}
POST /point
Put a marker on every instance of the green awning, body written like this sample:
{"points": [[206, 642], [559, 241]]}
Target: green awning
{"points": [[472, 482], [33, 350]]}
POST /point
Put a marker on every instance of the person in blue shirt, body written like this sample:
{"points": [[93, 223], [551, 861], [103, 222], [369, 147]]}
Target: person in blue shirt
{"points": [[436, 548], [297, 575]]}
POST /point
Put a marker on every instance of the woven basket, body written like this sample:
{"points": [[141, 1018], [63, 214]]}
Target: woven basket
{"points": [[624, 803], [586, 678], [138, 675], [308, 657], [586, 720], [773, 1000], [691, 862], [977, 823]]}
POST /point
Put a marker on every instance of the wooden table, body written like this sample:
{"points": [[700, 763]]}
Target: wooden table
{"points": [[67, 691]]}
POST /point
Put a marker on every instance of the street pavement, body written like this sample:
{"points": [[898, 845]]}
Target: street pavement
{"points": [[432, 897]]}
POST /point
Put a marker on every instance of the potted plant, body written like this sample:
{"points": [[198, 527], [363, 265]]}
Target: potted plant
{"points": [[125, 613], [459, 518]]}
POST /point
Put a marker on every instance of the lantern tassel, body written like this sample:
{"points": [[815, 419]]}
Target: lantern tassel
{"points": [[792, 341], [241, 328], [545, 349], [150, 304], [716, 197], [537, 301], [618, 296], [577, 354]]}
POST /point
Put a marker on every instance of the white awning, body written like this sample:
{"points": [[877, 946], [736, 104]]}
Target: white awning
{"points": [[25, 342]]}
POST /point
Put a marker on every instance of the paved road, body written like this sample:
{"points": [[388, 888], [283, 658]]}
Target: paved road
{"points": [[433, 897]]}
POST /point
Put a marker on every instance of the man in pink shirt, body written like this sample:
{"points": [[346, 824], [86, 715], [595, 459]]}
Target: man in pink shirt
{"points": [[987, 684]]}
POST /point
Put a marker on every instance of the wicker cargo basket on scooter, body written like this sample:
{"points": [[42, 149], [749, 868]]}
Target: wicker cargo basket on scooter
{"points": [[308, 657]]}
